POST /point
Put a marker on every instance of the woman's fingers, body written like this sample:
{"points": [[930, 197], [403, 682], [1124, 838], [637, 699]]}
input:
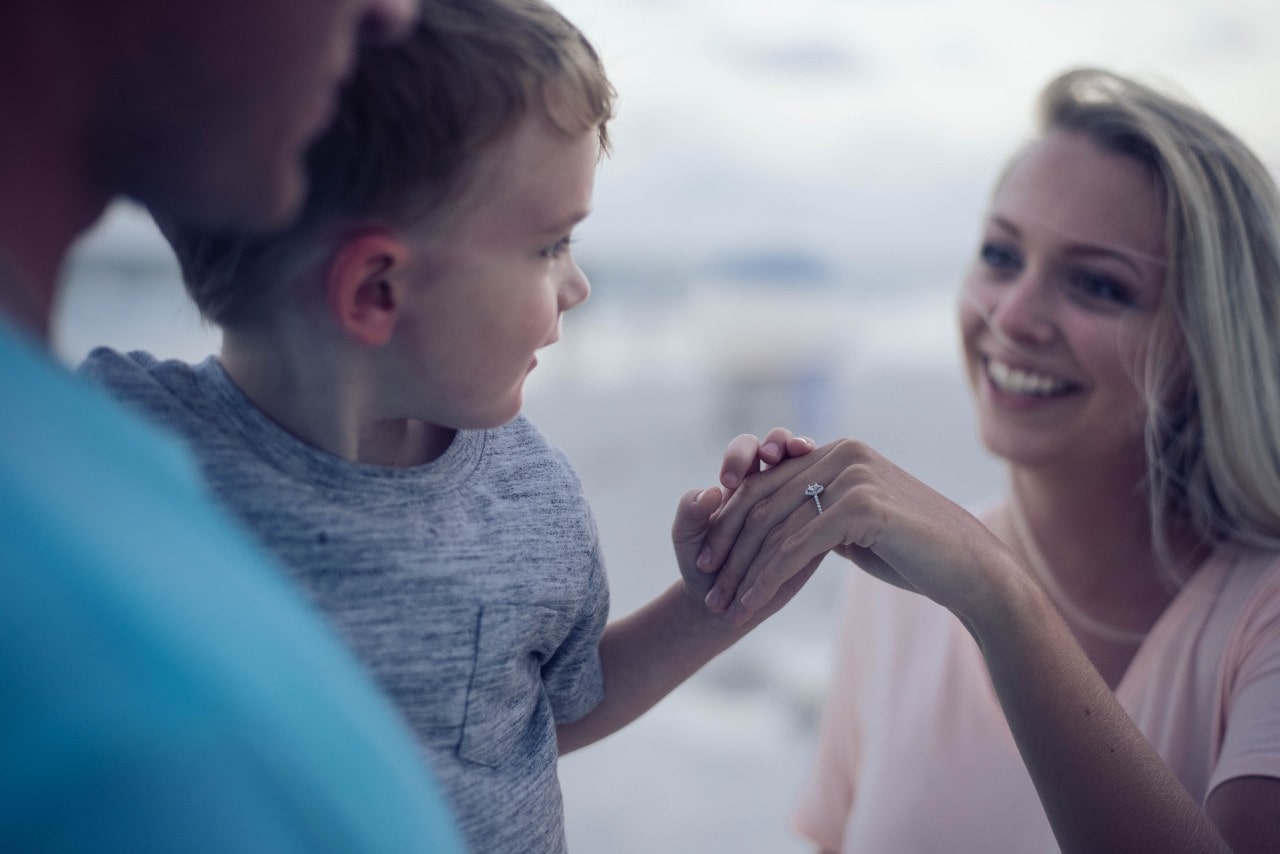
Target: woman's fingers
{"points": [[752, 517], [892, 525], [847, 496], [792, 545]]}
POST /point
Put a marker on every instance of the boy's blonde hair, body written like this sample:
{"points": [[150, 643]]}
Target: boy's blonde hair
{"points": [[410, 123], [1212, 371]]}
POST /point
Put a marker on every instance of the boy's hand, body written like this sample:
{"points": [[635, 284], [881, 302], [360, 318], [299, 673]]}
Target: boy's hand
{"points": [[694, 514], [745, 456]]}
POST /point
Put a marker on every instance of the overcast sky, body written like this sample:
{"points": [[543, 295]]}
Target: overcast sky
{"points": [[870, 130], [863, 132]]}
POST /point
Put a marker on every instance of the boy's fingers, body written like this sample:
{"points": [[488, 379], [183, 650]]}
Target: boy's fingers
{"points": [[798, 446], [774, 447], [693, 514], [741, 458], [745, 452]]}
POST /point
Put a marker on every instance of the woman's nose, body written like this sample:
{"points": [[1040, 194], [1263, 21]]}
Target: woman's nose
{"points": [[1022, 310]]}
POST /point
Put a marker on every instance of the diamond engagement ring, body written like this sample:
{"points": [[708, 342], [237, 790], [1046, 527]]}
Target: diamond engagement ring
{"points": [[812, 492]]}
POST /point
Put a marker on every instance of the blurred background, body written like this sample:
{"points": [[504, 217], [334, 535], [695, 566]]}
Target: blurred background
{"points": [[794, 192]]}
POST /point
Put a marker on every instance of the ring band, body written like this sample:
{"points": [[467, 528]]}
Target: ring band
{"points": [[812, 491]]}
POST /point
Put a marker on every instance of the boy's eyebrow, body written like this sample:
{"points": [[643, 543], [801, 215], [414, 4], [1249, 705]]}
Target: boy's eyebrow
{"points": [[568, 222]]}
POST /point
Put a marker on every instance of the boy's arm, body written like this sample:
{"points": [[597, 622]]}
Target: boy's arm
{"points": [[646, 654]]}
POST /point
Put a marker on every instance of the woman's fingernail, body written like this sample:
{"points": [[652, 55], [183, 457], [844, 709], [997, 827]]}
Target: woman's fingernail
{"points": [[771, 449], [714, 600], [729, 479], [704, 557]]}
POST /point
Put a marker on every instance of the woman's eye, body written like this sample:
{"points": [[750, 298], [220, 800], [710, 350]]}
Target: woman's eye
{"points": [[997, 257], [1103, 288]]}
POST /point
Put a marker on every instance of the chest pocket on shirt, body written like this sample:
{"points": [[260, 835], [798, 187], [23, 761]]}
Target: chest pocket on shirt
{"points": [[424, 660], [506, 685]]}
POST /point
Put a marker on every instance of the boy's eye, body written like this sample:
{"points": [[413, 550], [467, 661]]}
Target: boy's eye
{"points": [[558, 248]]}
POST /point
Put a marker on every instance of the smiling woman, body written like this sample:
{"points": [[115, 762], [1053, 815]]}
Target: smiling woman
{"points": [[1058, 303], [1108, 647]]}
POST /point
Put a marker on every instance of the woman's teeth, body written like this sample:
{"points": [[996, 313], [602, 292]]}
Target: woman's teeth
{"points": [[1018, 381]]}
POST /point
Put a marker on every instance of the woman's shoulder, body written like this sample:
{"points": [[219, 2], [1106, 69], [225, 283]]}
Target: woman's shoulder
{"points": [[1234, 595], [1246, 569], [1254, 576]]}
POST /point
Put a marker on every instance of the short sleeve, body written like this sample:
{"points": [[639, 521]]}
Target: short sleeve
{"points": [[573, 675], [1251, 736]]}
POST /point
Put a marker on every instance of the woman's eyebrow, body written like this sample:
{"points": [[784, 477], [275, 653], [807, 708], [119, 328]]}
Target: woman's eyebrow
{"points": [[1124, 254]]}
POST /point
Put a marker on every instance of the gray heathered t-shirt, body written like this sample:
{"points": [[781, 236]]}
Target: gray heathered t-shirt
{"points": [[472, 587]]}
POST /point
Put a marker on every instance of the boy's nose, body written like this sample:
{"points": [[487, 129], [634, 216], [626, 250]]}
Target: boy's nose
{"points": [[575, 288]]}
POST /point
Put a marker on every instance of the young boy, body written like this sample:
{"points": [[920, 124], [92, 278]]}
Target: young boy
{"points": [[363, 416]]}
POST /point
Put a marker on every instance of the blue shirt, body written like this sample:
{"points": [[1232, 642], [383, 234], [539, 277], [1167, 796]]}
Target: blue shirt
{"points": [[162, 685]]}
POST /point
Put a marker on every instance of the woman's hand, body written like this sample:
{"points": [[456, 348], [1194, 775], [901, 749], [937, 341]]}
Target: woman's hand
{"points": [[874, 513], [744, 458]]}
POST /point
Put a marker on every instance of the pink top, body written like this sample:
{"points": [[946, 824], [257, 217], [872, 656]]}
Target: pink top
{"points": [[914, 753]]}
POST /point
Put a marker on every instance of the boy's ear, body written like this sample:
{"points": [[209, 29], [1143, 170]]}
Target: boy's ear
{"points": [[364, 285]]}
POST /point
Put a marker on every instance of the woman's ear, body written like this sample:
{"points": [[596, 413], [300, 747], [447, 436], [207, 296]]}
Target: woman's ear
{"points": [[364, 286]]}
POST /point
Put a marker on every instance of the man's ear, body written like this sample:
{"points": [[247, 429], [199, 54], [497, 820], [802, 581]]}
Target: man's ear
{"points": [[364, 285]]}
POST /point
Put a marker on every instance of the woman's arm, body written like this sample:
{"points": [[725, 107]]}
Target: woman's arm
{"points": [[1103, 787]]}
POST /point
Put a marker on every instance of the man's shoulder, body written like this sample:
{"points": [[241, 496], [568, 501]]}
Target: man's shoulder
{"points": [[59, 423]]}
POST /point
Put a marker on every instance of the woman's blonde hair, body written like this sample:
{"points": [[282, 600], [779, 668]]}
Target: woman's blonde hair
{"points": [[1212, 371]]}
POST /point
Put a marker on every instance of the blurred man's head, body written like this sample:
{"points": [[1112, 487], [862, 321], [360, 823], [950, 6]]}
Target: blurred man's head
{"points": [[212, 103]]}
